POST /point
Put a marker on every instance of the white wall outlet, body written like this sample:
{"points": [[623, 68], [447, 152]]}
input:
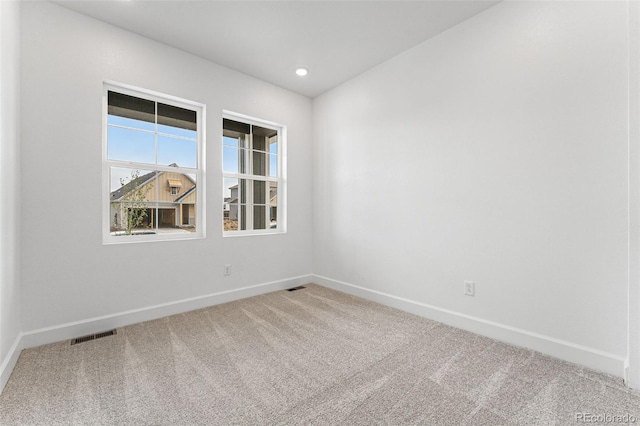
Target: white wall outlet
{"points": [[227, 270], [469, 288]]}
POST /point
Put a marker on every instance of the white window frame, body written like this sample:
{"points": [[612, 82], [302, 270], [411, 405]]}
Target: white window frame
{"points": [[199, 172], [281, 224]]}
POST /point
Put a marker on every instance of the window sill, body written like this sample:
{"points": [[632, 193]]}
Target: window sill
{"points": [[148, 238], [232, 234]]}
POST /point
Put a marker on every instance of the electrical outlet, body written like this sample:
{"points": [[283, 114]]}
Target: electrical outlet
{"points": [[469, 288], [227, 270]]}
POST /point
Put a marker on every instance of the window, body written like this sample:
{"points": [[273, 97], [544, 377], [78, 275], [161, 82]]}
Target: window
{"points": [[153, 166], [253, 157], [175, 185]]}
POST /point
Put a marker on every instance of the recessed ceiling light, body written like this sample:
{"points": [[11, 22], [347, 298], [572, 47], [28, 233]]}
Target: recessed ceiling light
{"points": [[302, 72]]}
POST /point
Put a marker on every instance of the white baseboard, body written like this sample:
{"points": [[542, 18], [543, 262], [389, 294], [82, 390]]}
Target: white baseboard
{"points": [[71, 330], [578, 354], [10, 361], [582, 355]]}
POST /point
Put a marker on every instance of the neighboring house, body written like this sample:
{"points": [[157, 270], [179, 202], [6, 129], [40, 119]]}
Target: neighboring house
{"points": [[174, 197], [233, 203]]}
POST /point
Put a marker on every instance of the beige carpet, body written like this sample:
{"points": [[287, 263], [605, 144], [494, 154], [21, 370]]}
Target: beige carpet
{"points": [[312, 356]]}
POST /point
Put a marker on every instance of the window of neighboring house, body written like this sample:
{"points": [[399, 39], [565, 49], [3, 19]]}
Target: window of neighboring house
{"points": [[174, 185], [253, 157], [153, 166]]}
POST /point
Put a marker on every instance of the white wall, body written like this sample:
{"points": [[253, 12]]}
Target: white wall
{"points": [[68, 275], [495, 152], [9, 186]]}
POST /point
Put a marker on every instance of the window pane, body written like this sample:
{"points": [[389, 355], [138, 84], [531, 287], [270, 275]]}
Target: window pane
{"points": [[237, 140], [130, 122], [173, 116], [243, 141], [235, 160], [132, 201], [273, 217], [230, 210], [186, 204], [167, 217], [259, 192], [188, 216], [130, 145], [132, 219], [273, 193], [142, 202], [259, 163], [273, 165], [244, 161], [226, 140], [132, 107], [273, 205], [230, 189], [175, 131], [243, 188], [121, 179], [273, 145], [259, 142], [264, 134], [232, 126], [230, 159], [179, 152], [259, 218], [242, 220], [230, 215]]}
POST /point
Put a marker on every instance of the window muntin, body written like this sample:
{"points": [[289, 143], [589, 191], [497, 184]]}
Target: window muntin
{"points": [[153, 166], [253, 183]]}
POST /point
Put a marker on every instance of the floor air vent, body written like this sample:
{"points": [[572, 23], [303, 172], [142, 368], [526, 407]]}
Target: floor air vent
{"points": [[296, 288], [93, 337]]}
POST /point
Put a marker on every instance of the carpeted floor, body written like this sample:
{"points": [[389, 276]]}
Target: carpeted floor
{"points": [[312, 356]]}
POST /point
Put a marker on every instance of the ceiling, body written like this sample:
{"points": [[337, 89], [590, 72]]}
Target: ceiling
{"points": [[335, 40]]}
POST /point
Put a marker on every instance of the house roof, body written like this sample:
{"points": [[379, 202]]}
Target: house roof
{"points": [[186, 194], [121, 192]]}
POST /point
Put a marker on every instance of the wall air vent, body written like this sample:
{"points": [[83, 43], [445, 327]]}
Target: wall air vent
{"points": [[296, 288], [93, 337]]}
